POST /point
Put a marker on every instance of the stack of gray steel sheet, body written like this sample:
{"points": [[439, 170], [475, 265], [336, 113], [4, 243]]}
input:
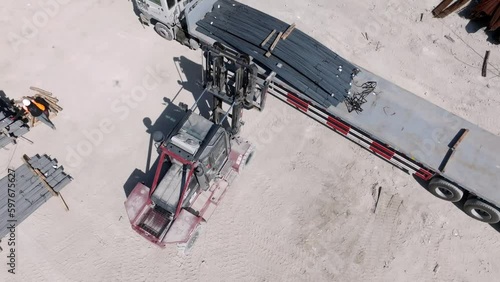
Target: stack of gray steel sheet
{"points": [[300, 60], [30, 192], [10, 129]]}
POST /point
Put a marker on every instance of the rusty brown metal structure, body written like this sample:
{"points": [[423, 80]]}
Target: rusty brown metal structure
{"points": [[444, 8], [487, 10]]}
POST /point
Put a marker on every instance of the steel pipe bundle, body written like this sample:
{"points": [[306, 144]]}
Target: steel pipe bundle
{"points": [[299, 60], [30, 191]]}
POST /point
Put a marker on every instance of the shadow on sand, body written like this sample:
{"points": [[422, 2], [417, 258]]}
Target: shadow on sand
{"points": [[168, 119], [474, 26]]}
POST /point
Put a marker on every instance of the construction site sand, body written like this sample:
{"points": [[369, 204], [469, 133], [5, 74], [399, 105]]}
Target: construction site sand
{"points": [[302, 210]]}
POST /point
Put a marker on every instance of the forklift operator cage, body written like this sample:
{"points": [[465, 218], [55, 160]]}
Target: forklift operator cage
{"points": [[185, 180]]}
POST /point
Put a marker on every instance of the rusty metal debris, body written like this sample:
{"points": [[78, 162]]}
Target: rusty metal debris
{"points": [[488, 10], [485, 64], [444, 8]]}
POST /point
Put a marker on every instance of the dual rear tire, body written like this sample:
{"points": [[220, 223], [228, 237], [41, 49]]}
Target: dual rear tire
{"points": [[473, 207], [445, 190], [482, 211]]}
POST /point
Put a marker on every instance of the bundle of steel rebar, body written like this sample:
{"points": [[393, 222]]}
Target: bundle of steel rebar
{"points": [[30, 191], [297, 58]]}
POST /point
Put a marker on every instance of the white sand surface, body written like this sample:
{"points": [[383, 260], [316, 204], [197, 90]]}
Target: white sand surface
{"points": [[302, 211]]}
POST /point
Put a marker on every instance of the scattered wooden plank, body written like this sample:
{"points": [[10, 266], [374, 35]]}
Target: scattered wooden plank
{"points": [[58, 194], [268, 38], [452, 8], [41, 90], [48, 98], [441, 7], [463, 133], [288, 31], [449, 38], [485, 64], [275, 43], [53, 106], [377, 199]]}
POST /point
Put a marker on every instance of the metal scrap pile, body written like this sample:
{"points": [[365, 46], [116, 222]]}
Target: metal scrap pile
{"points": [[49, 100], [12, 126], [487, 10]]}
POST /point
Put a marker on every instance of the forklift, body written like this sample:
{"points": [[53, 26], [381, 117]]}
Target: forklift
{"points": [[201, 156]]}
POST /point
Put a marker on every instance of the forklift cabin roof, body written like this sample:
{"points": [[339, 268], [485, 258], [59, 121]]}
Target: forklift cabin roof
{"points": [[189, 138]]}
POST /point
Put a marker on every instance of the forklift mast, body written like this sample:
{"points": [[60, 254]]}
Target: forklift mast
{"points": [[230, 78]]}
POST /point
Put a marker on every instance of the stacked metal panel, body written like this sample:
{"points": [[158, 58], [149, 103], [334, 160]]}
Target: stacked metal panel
{"points": [[10, 128], [300, 60], [30, 191]]}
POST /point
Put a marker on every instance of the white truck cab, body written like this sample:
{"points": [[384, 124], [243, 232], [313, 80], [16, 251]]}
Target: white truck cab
{"points": [[165, 15], [176, 19]]}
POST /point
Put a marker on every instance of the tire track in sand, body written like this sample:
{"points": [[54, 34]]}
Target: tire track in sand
{"points": [[379, 236]]}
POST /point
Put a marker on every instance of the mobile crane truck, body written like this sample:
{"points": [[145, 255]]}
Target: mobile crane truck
{"points": [[455, 158]]}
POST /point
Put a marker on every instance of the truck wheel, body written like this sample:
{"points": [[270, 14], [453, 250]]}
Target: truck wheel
{"points": [[444, 190], [482, 211], [164, 31], [193, 44]]}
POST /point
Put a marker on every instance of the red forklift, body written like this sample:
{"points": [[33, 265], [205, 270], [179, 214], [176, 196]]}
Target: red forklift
{"points": [[201, 156]]}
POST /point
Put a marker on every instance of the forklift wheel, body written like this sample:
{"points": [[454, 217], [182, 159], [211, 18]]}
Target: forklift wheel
{"points": [[164, 31]]}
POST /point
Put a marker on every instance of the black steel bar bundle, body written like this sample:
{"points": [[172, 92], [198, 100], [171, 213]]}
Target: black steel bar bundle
{"points": [[299, 60], [11, 125], [30, 192]]}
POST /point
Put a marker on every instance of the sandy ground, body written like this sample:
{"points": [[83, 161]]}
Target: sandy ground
{"points": [[303, 209]]}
